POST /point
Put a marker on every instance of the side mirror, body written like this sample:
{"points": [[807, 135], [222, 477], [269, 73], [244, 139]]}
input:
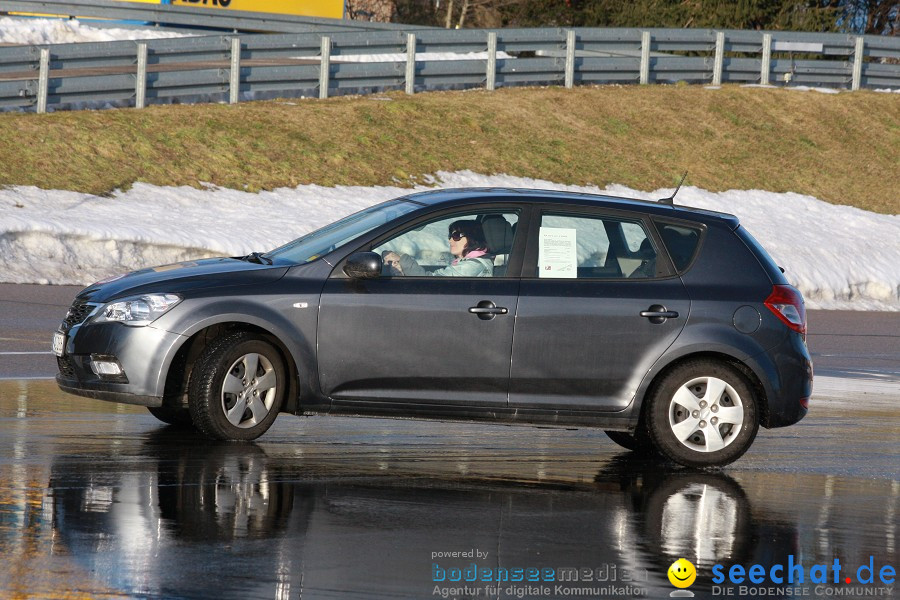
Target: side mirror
{"points": [[363, 265]]}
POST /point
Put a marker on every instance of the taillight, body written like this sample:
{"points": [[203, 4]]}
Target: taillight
{"points": [[787, 304]]}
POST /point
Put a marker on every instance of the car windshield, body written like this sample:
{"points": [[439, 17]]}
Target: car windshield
{"points": [[322, 241]]}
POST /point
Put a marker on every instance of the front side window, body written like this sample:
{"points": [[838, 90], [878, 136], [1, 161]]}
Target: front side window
{"points": [[587, 247], [471, 244]]}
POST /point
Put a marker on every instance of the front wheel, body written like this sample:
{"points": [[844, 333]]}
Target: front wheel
{"points": [[703, 413], [237, 387]]}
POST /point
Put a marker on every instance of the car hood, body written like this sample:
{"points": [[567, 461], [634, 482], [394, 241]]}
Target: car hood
{"points": [[181, 277]]}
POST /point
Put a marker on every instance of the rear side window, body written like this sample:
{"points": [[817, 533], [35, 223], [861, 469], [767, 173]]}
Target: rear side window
{"points": [[593, 247], [681, 241]]}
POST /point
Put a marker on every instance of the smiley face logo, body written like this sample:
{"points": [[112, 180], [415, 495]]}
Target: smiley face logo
{"points": [[682, 573]]}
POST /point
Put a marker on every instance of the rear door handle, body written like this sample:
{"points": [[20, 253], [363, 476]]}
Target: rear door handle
{"points": [[487, 310], [658, 314]]}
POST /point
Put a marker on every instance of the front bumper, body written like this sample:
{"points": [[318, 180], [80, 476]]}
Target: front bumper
{"points": [[144, 353], [95, 391]]}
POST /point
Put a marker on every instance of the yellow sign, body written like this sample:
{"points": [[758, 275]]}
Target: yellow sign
{"points": [[333, 9]]}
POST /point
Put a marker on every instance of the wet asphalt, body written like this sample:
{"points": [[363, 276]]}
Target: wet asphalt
{"points": [[102, 501]]}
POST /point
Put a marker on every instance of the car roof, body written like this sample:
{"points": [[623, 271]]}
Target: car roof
{"points": [[434, 198]]}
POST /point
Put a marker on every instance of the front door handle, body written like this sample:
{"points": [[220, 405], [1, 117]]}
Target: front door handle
{"points": [[658, 314], [487, 310]]}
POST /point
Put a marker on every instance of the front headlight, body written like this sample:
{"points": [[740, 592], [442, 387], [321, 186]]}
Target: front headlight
{"points": [[138, 310]]}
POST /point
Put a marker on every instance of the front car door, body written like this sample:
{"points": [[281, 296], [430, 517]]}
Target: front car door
{"points": [[434, 336], [581, 342]]}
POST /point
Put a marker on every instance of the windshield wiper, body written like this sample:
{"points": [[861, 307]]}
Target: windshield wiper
{"points": [[258, 257]]}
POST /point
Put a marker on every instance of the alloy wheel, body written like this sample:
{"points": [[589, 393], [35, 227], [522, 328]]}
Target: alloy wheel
{"points": [[249, 390], [706, 414]]}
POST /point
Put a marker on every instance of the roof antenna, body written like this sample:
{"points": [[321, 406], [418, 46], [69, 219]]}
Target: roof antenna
{"points": [[671, 199]]}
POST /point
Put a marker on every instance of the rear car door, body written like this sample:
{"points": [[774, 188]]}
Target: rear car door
{"points": [[599, 303], [400, 342]]}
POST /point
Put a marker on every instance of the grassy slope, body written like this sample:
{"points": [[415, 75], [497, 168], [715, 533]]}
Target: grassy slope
{"points": [[843, 148]]}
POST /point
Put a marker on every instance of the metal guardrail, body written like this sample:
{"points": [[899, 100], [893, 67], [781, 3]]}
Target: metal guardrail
{"points": [[238, 67]]}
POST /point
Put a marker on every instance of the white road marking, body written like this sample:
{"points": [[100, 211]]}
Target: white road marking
{"points": [[46, 352]]}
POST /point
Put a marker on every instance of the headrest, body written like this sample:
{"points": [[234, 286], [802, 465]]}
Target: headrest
{"points": [[646, 250], [498, 233]]}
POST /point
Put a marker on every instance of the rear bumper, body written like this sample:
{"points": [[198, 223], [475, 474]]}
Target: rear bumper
{"points": [[788, 380]]}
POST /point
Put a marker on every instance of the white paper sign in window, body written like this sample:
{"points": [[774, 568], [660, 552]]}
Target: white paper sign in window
{"points": [[557, 255]]}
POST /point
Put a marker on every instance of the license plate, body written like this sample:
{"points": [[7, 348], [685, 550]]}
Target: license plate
{"points": [[59, 343]]}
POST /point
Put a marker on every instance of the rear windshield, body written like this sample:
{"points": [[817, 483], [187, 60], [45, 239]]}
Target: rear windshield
{"points": [[762, 256], [681, 241]]}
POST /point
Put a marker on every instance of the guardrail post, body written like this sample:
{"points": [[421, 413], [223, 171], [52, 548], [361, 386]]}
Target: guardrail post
{"points": [[720, 58], [234, 75], [570, 58], [858, 53], [324, 67], [645, 57], [43, 81], [766, 63], [491, 75], [410, 63], [140, 82]]}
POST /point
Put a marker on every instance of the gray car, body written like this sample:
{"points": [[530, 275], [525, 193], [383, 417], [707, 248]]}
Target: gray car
{"points": [[669, 327]]}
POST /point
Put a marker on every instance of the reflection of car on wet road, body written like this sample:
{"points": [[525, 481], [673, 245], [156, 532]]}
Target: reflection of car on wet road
{"points": [[267, 527], [666, 326]]}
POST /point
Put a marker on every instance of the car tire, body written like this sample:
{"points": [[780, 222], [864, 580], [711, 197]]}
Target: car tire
{"points": [[237, 387], [638, 441], [177, 417], [703, 413]]}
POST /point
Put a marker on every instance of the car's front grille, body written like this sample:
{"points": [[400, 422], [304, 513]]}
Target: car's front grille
{"points": [[66, 368], [78, 312]]}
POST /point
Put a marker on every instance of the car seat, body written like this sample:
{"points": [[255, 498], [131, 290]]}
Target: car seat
{"points": [[499, 235], [647, 268]]}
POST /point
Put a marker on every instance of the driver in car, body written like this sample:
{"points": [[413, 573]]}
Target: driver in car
{"points": [[468, 246]]}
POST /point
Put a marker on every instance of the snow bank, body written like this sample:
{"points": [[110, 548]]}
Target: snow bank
{"points": [[420, 56], [62, 31], [838, 256]]}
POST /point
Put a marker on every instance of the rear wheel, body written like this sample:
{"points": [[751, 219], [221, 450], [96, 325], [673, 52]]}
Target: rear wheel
{"points": [[237, 387], [703, 414]]}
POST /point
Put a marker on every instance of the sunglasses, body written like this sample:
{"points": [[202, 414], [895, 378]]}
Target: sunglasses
{"points": [[456, 236]]}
